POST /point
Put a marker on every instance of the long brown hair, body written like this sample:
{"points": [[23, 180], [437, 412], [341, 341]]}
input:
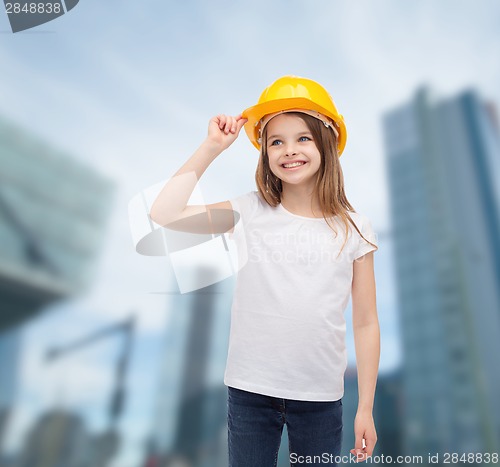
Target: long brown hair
{"points": [[329, 178]]}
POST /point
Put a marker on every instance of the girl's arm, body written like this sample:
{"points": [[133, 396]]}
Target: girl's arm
{"points": [[170, 206], [367, 342]]}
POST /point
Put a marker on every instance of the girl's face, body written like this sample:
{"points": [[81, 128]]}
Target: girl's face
{"points": [[289, 141]]}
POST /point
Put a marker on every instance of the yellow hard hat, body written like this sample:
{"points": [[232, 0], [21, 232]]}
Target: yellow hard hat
{"points": [[294, 93]]}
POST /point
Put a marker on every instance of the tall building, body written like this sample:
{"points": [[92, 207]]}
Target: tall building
{"points": [[53, 214], [443, 160]]}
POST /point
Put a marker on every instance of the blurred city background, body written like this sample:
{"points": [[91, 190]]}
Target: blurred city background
{"points": [[103, 362]]}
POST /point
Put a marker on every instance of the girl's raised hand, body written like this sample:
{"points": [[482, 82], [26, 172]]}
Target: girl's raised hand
{"points": [[223, 130]]}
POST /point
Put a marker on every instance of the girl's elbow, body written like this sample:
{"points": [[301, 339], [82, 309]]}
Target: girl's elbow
{"points": [[366, 324], [368, 318], [155, 216]]}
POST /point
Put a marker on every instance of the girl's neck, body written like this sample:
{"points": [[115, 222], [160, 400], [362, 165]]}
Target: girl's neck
{"points": [[300, 200]]}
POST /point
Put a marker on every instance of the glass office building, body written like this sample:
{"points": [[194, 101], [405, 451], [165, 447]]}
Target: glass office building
{"points": [[443, 162], [53, 213]]}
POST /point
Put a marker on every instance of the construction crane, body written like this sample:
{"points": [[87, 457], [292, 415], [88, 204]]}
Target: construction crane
{"points": [[127, 329], [108, 442]]}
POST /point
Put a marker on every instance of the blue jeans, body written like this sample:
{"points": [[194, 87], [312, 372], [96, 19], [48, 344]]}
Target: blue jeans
{"points": [[255, 426]]}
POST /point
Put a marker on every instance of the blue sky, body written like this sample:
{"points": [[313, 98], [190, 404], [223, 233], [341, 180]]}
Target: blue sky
{"points": [[129, 88]]}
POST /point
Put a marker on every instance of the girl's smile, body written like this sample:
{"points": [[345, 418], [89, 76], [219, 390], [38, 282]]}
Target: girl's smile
{"points": [[293, 165]]}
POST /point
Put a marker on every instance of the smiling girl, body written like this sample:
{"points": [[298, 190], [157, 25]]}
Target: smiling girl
{"points": [[310, 251]]}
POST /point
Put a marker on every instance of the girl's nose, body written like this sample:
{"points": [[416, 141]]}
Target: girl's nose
{"points": [[290, 149]]}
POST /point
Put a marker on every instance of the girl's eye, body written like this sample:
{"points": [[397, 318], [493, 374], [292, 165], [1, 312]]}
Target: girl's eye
{"points": [[276, 142], [306, 138]]}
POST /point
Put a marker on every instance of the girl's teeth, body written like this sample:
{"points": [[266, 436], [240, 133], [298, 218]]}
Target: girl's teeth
{"points": [[295, 164]]}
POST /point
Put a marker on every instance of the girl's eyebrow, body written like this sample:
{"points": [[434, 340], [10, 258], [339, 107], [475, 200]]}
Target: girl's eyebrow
{"points": [[302, 133]]}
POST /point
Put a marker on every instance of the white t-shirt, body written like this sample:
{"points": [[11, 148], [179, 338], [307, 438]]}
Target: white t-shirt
{"points": [[287, 336]]}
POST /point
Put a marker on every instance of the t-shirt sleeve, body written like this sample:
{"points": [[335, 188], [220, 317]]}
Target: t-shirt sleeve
{"points": [[362, 247], [245, 207]]}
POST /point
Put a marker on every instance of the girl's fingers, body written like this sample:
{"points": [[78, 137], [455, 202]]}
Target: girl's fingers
{"points": [[240, 122], [370, 445], [222, 121], [229, 124], [360, 454], [232, 128]]}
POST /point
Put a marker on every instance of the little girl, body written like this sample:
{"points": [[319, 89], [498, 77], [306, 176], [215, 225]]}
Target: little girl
{"points": [[307, 252]]}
